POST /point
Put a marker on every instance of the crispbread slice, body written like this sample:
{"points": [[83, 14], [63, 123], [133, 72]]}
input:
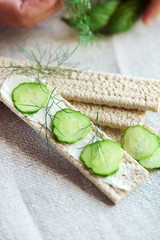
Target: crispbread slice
{"points": [[113, 90], [117, 134], [115, 187], [111, 116]]}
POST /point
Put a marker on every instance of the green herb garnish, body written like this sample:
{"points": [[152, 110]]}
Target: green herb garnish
{"points": [[78, 11]]}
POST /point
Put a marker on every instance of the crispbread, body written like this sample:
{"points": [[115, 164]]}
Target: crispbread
{"points": [[130, 175], [109, 89], [111, 116]]}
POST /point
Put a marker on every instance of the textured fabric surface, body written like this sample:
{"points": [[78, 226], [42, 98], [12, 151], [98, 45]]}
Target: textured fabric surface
{"points": [[44, 192]]}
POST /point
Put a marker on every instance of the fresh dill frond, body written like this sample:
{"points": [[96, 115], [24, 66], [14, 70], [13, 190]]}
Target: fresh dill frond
{"points": [[78, 11], [41, 60], [97, 126], [97, 134], [43, 63], [83, 129]]}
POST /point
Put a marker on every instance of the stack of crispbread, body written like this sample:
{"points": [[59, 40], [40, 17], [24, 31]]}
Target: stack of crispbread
{"points": [[120, 101], [105, 93]]}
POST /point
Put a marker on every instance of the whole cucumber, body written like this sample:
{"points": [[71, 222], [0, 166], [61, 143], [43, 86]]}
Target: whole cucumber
{"points": [[98, 17], [125, 16], [101, 13], [111, 16]]}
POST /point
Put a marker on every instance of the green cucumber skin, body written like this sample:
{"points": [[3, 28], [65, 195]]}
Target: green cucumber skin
{"points": [[101, 13], [69, 142], [145, 160], [14, 100], [104, 10], [125, 16], [113, 16], [149, 168], [101, 175], [98, 174], [158, 141]]}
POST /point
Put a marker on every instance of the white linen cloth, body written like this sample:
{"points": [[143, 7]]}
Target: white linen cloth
{"points": [[42, 196]]}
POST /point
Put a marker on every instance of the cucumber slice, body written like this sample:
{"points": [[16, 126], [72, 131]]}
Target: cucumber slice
{"points": [[153, 161], [102, 157], [30, 97], [140, 142], [69, 125]]}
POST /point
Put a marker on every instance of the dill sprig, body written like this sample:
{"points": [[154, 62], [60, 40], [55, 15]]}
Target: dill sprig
{"points": [[45, 125], [79, 10], [36, 56], [97, 135]]}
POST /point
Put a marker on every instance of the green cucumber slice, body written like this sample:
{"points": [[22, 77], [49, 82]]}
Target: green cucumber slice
{"points": [[102, 157], [140, 142], [69, 125], [30, 97], [153, 161]]}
